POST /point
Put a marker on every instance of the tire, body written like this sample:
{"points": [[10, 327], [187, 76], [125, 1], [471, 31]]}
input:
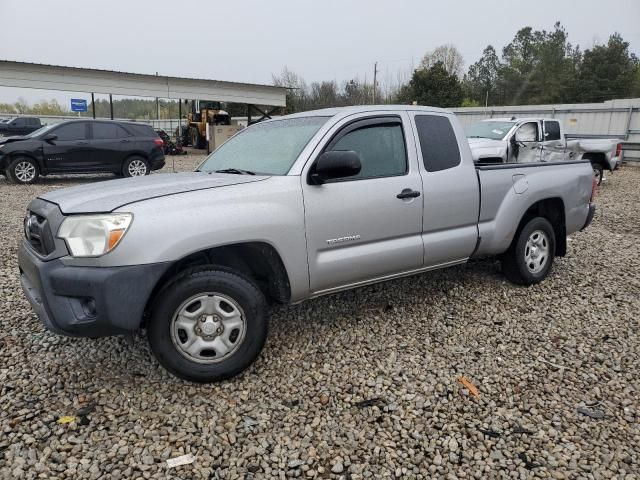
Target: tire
{"points": [[597, 173], [23, 171], [530, 256], [196, 139], [135, 167], [208, 294]]}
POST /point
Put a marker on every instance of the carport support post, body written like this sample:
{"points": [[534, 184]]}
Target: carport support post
{"points": [[93, 105], [111, 105], [179, 136]]}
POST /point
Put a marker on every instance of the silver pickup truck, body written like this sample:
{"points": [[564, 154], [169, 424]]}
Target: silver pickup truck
{"points": [[284, 211]]}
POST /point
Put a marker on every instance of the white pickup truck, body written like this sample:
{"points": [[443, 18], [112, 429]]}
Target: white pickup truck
{"points": [[525, 140]]}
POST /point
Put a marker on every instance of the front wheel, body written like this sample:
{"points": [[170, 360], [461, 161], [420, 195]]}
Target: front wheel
{"points": [[530, 256], [135, 167], [23, 171], [597, 173], [208, 325]]}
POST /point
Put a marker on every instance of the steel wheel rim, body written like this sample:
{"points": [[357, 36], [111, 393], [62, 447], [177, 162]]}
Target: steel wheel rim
{"points": [[25, 171], [536, 251], [137, 168], [208, 328]]}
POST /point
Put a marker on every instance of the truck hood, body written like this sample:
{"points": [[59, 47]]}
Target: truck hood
{"points": [[486, 148], [107, 196]]}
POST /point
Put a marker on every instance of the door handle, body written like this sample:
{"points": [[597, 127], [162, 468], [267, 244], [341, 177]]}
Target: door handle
{"points": [[82, 143], [124, 141], [408, 193]]}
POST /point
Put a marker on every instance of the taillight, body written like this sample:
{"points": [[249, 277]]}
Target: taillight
{"points": [[618, 149], [158, 141]]}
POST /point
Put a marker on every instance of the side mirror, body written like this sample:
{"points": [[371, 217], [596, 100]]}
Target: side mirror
{"points": [[50, 137], [336, 164]]}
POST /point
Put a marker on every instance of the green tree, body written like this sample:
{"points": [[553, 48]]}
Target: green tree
{"points": [[481, 81], [434, 86], [607, 71], [537, 66]]}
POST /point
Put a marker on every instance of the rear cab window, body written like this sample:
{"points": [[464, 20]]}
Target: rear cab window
{"points": [[551, 130], [438, 142]]}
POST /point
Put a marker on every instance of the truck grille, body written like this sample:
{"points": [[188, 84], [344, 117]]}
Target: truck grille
{"points": [[38, 234]]}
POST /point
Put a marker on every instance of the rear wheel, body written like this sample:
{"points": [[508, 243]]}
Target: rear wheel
{"points": [[196, 139], [597, 173], [23, 170], [135, 167], [530, 256], [208, 325]]}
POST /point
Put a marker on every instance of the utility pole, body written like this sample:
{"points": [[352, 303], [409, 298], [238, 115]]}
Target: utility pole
{"points": [[486, 100], [375, 81]]}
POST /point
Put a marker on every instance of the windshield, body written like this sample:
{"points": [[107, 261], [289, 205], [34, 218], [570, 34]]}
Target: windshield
{"points": [[493, 130], [268, 148], [39, 131]]}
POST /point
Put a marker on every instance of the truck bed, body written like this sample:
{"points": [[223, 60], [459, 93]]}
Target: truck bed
{"points": [[507, 191]]}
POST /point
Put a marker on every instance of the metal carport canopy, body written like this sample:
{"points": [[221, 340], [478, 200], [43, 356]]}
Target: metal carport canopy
{"points": [[53, 77]]}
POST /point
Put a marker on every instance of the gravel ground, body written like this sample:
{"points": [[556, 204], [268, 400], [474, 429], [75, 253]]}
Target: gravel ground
{"points": [[356, 385]]}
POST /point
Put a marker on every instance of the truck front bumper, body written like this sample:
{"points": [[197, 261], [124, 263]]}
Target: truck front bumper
{"points": [[592, 212], [87, 301]]}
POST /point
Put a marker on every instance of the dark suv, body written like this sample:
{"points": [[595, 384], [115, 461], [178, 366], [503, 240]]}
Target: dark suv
{"points": [[82, 146]]}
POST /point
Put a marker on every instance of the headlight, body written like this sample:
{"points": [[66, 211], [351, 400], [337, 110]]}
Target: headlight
{"points": [[94, 235]]}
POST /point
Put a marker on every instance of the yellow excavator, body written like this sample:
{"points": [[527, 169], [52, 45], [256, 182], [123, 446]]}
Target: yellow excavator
{"points": [[203, 112]]}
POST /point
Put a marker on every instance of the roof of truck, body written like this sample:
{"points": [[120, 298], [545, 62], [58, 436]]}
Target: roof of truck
{"points": [[330, 112], [518, 119]]}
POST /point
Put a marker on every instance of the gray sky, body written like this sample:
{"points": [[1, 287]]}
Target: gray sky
{"points": [[251, 39]]}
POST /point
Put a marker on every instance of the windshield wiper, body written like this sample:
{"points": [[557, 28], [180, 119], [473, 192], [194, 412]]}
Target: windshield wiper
{"points": [[236, 171]]}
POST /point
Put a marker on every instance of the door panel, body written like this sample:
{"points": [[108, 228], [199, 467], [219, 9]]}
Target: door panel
{"points": [[451, 192], [527, 151], [357, 228], [110, 143], [553, 146], [70, 151]]}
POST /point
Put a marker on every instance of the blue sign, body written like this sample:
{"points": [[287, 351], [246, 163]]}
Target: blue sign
{"points": [[78, 105]]}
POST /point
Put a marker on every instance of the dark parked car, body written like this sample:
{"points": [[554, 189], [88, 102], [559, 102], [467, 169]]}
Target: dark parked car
{"points": [[19, 126], [82, 146]]}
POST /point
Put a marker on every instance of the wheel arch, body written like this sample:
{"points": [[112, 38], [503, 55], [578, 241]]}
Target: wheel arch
{"points": [[136, 153], [597, 157], [259, 261], [17, 154], [553, 210]]}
